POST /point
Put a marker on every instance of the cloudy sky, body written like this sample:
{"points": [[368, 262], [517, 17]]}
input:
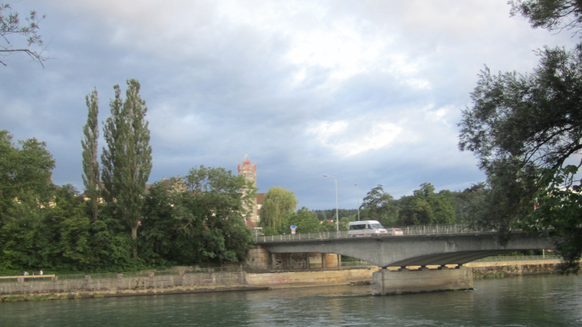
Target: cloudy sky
{"points": [[367, 91]]}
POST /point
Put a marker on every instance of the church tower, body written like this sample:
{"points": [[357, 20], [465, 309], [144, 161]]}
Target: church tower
{"points": [[249, 171]]}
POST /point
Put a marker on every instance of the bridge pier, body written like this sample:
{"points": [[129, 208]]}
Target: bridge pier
{"points": [[389, 282]]}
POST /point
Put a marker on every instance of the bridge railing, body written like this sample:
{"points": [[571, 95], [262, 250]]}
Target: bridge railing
{"points": [[437, 229], [302, 236], [407, 230]]}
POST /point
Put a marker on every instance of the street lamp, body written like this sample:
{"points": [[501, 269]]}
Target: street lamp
{"points": [[358, 198], [336, 205]]}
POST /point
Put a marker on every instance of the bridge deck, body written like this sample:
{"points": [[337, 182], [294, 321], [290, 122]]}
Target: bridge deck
{"points": [[411, 250]]}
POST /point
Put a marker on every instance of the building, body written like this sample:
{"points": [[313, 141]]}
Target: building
{"points": [[249, 171]]}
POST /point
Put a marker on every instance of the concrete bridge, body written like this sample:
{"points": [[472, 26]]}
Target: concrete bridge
{"points": [[421, 246]]}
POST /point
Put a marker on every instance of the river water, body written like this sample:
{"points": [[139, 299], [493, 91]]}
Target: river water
{"points": [[515, 301]]}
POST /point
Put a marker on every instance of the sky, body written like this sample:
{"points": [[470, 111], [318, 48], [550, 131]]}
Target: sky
{"points": [[369, 92]]}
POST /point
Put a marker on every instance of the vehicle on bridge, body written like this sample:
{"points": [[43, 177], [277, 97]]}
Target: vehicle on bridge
{"points": [[366, 228], [394, 231]]}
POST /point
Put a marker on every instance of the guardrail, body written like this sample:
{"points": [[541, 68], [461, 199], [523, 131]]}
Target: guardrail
{"points": [[407, 230], [537, 257], [22, 278]]}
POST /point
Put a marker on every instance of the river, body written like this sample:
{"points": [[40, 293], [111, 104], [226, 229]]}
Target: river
{"points": [[546, 300]]}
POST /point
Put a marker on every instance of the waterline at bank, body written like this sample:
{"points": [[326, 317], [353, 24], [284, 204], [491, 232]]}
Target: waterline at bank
{"points": [[210, 281]]}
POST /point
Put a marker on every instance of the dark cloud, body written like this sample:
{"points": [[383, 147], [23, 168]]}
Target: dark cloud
{"points": [[370, 94]]}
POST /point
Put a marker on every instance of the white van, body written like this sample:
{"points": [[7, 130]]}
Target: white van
{"points": [[366, 228]]}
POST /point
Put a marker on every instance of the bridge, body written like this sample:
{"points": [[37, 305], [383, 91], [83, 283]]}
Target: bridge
{"points": [[438, 245]]}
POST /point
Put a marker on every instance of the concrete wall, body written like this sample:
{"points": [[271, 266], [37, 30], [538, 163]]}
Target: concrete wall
{"points": [[184, 283], [311, 278], [260, 259], [151, 284], [240, 280], [402, 281]]}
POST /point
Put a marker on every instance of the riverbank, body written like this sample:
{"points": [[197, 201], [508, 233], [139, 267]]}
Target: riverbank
{"points": [[201, 282]]}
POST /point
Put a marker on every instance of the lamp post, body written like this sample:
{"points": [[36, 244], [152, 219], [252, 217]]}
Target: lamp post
{"points": [[336, 204], [358, 198]]}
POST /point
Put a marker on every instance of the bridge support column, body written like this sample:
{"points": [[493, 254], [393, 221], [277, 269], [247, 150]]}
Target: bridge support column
{"points": [[387, 282]]}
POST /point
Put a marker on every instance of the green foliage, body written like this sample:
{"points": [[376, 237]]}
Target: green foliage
{"points": [[165, 215], [23, 236], [185, 221], [199, 218], [443, 207], [111, 242], [25, 171], [416, 210], [519, 125], [321, 215], [424, 207], [326, 226], [535, 118], [466, 200], [525, 128], [10, 25], [90, 158], [549, 14], [278, 203], [379, 205], [559, 214], [221, 199], [304, 219], [127, 160]]}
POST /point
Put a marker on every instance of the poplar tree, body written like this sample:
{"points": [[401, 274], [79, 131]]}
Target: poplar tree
{"points": [[90, 160], [127, 160]]}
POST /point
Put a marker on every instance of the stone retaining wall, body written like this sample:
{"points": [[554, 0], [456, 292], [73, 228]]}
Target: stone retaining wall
{"points": [[183, 283], [123, 285], [311, 278], [226, 281]]}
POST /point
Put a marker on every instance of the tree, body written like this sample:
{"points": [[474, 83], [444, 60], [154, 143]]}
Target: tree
{"points": [[327, 226], [426, 207], [466, 200], [25, 170], [415, 210], [10, 25], [278, 203], [197, 218], [162, 221], [70, 226], [26, 192], [303, 219], [220, 200], [549, 14], [23, 235], [127, 160], [90, 159], [321, 216], [558, 215], [443, 206], [524, 128], [379, 205]]}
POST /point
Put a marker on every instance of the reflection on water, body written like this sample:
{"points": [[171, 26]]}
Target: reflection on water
{"points": [[517, 301]]}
